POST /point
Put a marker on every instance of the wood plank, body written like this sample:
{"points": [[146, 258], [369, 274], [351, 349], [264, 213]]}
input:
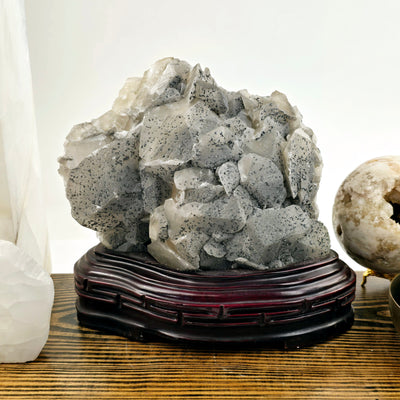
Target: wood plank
{"points": [[78, 363]]}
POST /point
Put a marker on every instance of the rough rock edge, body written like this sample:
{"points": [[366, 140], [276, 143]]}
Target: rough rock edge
{"points": [[209, 129]]}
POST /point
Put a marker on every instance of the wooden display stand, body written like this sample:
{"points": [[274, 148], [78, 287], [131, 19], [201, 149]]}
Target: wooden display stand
{"points": [[134, 296]]}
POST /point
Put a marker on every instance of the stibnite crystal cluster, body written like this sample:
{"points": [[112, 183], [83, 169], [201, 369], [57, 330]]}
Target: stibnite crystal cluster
{"points": [[201, 177]]}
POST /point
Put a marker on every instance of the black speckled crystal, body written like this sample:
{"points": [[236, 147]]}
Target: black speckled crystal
{"points": [[179, 162]]}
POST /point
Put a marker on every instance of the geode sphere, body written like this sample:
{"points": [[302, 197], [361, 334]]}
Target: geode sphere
{"points": [[366, 214], [200, 177]]}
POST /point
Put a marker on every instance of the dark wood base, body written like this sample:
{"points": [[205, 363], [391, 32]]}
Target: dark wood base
{"points": [[134, 296]]}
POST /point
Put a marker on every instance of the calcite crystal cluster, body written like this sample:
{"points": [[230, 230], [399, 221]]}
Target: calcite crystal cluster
{"points": [[26, 300], [202, 177]]}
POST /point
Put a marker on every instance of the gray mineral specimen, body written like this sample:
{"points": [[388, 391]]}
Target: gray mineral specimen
{"points": [[201, 177]]}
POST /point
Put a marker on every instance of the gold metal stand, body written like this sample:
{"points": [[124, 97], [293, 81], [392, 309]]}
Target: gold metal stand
{"points": [[370, 272]]}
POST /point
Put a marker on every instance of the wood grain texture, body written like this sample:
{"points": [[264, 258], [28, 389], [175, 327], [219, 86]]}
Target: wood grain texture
{"points": [[78, 363], [134, 296]]}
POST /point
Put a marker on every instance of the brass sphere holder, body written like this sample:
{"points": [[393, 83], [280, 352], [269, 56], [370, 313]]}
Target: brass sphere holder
{"points": [[370, 272]]}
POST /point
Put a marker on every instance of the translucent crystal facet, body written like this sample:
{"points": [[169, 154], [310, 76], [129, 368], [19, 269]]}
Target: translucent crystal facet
{"points": [[201, 177], [26, 300]]}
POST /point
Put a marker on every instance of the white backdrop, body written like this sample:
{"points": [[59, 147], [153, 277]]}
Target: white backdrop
{"points": [[338, 61]]}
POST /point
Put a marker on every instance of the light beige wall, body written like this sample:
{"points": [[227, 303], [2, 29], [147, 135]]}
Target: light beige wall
{"points": [[336, 60]]}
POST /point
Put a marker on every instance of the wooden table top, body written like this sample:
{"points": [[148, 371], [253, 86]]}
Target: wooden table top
{"points": [[78, 363]]}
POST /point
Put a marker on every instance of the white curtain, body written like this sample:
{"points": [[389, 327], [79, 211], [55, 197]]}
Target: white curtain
{"points": [[22, 212]]}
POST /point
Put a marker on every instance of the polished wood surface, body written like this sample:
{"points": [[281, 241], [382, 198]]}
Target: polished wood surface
{"points": [[78, 363], [134, 296]]}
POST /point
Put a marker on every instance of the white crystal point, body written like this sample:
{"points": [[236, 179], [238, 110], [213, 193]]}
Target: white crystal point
{"points": [[26, 300], [202, 177]]}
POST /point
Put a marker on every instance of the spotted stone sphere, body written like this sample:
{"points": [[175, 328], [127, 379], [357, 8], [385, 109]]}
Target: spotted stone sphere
{"points": [[366, 214]]}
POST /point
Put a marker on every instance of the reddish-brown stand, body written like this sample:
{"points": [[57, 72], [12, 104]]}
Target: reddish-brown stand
{"points": [[134, 296]]}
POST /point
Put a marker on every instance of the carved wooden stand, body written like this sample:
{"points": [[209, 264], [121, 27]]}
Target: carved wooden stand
{"points": [[134, 296]]}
